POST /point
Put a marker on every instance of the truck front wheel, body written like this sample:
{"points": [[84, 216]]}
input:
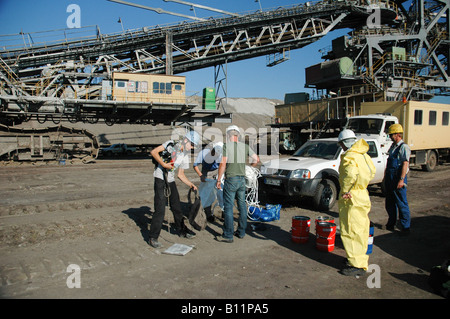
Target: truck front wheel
{"points": [[325, 195]]}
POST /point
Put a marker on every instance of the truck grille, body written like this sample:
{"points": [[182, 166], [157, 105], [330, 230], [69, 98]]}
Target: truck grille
{"points": [[279, 172]]}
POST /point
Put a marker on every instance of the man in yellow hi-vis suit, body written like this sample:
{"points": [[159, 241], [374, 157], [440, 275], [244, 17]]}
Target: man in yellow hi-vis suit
{"points": [[355, 172]]}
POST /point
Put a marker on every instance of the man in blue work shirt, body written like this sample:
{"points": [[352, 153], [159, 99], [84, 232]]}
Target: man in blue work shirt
{"points": [[395, 180], [209, 159]]}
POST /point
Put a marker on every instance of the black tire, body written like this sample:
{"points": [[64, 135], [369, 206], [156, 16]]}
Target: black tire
{"points": [[56, 119], [110, 121], [432, 161], [383, 188], [72, 118], [41, 118], [325, 195]]}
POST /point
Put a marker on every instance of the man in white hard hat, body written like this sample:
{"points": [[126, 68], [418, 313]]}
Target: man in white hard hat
{"points": [[209, 159], [355, 172], [235, 154]]}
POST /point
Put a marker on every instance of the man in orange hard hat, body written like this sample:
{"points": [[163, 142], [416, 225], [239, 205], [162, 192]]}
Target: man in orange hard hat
{"points": [[395, 179]]}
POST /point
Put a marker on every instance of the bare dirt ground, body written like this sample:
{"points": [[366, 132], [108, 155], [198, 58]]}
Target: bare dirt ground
{"points": [[97, 216]]}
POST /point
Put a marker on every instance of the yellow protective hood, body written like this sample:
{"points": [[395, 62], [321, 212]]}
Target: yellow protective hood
{"points": [[360, 147], [356, 168]]}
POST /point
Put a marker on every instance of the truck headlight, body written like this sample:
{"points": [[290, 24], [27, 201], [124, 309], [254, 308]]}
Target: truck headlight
{"points": [[301, 173]]}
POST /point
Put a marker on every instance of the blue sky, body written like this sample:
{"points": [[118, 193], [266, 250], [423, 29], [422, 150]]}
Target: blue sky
{"points": [[248, 78]]}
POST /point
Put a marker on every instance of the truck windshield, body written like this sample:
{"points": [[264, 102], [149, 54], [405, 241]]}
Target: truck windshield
{"points": [[365, 125], [319, 149]]}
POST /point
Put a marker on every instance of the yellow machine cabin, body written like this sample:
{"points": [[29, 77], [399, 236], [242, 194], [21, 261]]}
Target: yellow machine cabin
{"points": [[154, 88]]}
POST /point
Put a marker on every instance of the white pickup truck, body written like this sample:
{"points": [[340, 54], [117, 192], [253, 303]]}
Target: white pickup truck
{"points": [[313, 171]]}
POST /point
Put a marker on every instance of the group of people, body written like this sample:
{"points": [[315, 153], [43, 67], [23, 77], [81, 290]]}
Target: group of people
{"points": [[355, 172], [227, 159]]}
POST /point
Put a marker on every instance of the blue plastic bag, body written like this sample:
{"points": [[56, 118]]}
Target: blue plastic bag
{"points": [[267, 214]]}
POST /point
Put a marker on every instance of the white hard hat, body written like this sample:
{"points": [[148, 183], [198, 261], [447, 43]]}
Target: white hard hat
{"points": [[233, 128], [346, 134], [193, 137], [347, 137]]}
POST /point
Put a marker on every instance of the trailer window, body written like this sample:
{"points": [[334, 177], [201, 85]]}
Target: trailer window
{"points": [[444, 118], [418, 114], [432, 118]]}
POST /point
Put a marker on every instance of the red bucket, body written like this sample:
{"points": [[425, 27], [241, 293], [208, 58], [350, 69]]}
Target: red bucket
{"points": [[325, 229], [322, 219], [325, 244], [325, 236], [300, 229]]}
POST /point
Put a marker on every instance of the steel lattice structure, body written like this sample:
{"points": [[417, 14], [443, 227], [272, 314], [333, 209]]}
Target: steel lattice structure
{"points": [[64, 77]]}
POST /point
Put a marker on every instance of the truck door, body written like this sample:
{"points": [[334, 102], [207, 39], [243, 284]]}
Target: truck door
{"points": [[379, 160]]}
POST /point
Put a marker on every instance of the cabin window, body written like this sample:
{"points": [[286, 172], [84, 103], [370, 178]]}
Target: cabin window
{"points": [[156, 87], [144, 86], [418, 115], [178, 87], [161, 87], [432, 118], [141, 87], [120, 84], [445, 118]]}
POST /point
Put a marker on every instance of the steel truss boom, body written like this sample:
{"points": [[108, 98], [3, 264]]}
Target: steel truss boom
{"points": [[46, 71], [195, 44]]}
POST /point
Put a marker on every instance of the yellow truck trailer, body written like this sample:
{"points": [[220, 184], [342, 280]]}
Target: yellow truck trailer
{"points": [[426, 128]]}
